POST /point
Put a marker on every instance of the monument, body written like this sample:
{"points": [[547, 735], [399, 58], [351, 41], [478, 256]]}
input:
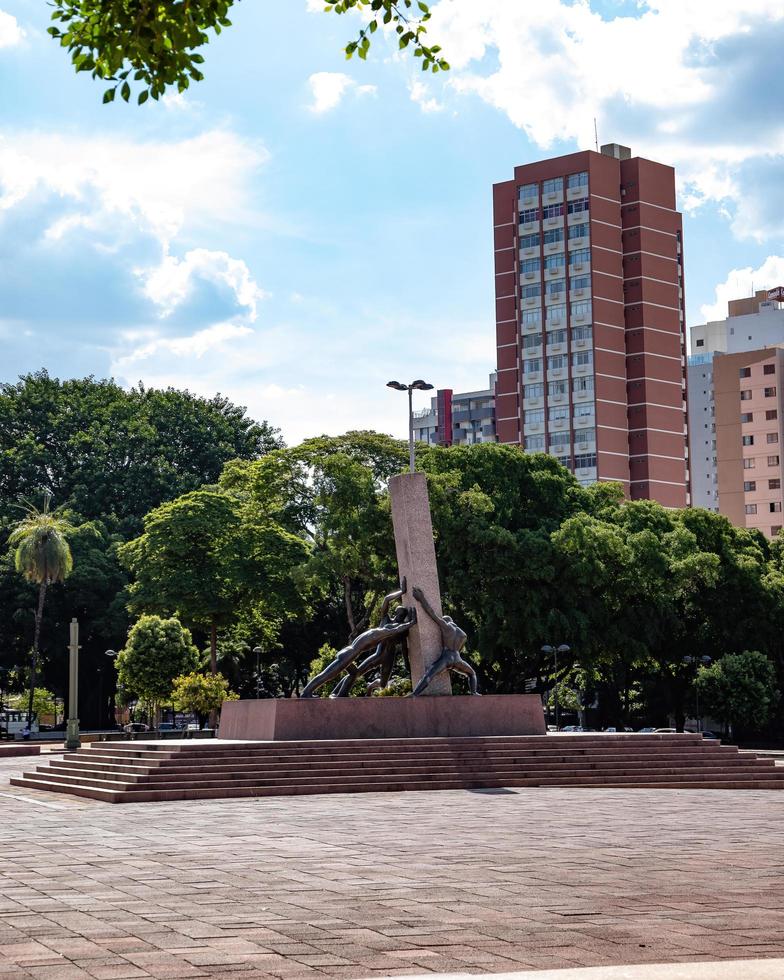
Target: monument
{"points": [[431, 641]]}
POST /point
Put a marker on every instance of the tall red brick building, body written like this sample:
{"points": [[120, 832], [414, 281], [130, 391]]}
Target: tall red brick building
{"points": [[590, 319]]}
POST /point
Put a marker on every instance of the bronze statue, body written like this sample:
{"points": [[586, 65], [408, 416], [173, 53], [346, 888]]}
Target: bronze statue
{"points": [[453, 640], [382, 637]]}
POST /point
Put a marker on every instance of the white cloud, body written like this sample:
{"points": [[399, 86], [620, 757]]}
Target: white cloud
{"points": [[420, 94], [196, 345], [171, 282], [10, 31], [685, 81], [329, 87], [743, 282], [161, 185]]}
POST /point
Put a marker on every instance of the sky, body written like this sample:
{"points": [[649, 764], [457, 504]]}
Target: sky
{"points": [[297, 229]]}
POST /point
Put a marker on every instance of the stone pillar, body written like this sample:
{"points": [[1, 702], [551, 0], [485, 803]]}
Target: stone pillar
{"points": [[416, 559]]}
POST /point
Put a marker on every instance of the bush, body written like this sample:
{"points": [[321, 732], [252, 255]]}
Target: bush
{"points": [[201, 694], [157, 651], [739, 689]]}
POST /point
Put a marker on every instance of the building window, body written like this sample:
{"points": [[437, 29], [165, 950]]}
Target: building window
{"points": [[585, 462], [532, 290], [582, 256], [530, 265], [557, 313], [558, 414], [775, 529], [748, 486], [700, 343], [528, 190], [530, 241], [768, 368], [534, 366], [775, 506], [577, 180], [553, 186], [745, 372], [771, 414], [556, 261], [579, 230], [556, 337], [533, 391], [772, 437], [532, 340], [553, 236], [560, 439], [750, 508], [555, 286], [578, 206], [581, 309], [583, 410], [773, 461], [555, 388], [746, 417], [745, 395], [770, 392], [580, 385], [748, 464], [552, 211], [529, 215], [774, 484], [748, 440], [532, 317], [534, 444], [582, 332], [579, 282], [557, 362], [582, 358], [535, 416], [585, 435]]}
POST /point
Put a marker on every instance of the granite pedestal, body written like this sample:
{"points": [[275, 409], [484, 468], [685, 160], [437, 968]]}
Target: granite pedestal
{"points": [[282, 719]]}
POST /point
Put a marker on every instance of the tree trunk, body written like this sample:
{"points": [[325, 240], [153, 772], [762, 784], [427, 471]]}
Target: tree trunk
{"points": [[39, 615]]}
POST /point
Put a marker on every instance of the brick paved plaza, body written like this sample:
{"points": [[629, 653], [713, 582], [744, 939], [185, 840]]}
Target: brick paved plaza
{"points": [[375, 884]]}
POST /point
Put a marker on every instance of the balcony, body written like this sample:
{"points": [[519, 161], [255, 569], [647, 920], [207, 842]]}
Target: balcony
{"points": [[531, 403], [559, 425], [529, 328], [586, 473], [584, 447], [579, 293], [528, 352], [582, 344], [583, 422], [579, 218], [578, 397], [557, 374], [582, 318], [554, 198], [554, 299], [533, 428], [551, 247], [529, 302], [529, 276], [528, 202], [558, 273], [556, 222], [575, 193], [582, 242], [529, 253], [558, 399], [556, 348], [580, 370], [533, 378], [529, 227]]}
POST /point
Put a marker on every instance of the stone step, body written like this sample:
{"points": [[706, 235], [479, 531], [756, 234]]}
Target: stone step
{"points": [[360, 767], [232, 792], [410, 779], [13, 749]]}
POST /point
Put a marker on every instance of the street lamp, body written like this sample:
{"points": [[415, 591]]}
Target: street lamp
{"points": [[700, 662], [418, 385], [547, 650], [258, 651], [111, 654]]}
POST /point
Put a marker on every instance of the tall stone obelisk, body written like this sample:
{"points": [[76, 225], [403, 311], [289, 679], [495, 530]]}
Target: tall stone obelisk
{"points": [[416, 559]]}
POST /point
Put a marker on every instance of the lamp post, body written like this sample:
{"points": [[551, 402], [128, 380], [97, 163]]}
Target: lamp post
{"points": [[111, 654], [418, 385], [700, 662], [548, 650], [72, 740], [258, 652]]}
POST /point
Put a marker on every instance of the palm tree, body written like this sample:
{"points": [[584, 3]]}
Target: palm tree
{"points": [[43, 556]]}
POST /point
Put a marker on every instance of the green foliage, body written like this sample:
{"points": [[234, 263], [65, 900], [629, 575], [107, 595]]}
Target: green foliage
{"points": [[144, 48], [43, 702], [157, 651], [200, 694], [42, 553], [739, 689], [398, 687]]}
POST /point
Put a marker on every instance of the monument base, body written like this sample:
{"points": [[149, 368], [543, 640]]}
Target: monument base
{"points": [[287, 720]]}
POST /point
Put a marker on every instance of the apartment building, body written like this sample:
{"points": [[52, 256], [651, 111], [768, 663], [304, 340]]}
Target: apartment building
{"points": [[734, 382], [590, 324], [462, 418]]}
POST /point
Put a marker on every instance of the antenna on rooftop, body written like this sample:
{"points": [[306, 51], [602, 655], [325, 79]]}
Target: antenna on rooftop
{"points": [[595, 134]]}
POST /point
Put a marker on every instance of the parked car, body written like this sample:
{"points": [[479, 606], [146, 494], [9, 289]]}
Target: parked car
{"points": [[647, 731], [616, 729], [167, 726], [665, 731], [136, 726], [572, 728], [709, 735]]}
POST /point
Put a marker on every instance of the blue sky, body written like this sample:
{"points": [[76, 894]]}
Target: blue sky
{"points": [[298, 229]]}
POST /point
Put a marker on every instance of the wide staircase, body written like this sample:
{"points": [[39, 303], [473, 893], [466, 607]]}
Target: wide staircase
{"points": [[123, 772]]}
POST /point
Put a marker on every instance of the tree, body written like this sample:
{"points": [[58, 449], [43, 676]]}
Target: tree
{"points": [[157, 651], [205, 557], [739, 689], [202, 695], [156, 44], [42, 555]]}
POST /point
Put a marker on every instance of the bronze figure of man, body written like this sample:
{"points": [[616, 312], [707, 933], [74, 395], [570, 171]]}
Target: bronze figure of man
{"points": [[380, 638], [452, 640]]}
